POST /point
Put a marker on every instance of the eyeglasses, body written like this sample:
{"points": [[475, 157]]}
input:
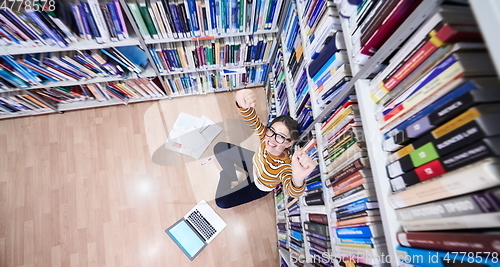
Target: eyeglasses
{"points": [[280, 139]]}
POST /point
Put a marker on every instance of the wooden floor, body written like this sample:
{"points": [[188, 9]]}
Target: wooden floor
{"points": [[97, 187]]}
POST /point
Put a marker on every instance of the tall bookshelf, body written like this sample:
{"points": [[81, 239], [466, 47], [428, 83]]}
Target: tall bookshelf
{"points": [[243, 34], [486, 15]]}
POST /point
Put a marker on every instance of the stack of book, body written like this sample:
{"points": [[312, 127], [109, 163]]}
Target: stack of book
{"points": [[35, 101], [317, 234], [371, 23], [278, 72], [213, 81], [166, 19], [295, 227], [314, 185], [437, 108], [192, 56], [271, 100], [281, 217], [295, 65], [100, 21], [350, 185], [326, 46], [36, 70], [23, 103], [25, 27], [132, 89]]}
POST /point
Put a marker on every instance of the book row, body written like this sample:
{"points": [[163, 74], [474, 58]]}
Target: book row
{"points": [[162, 19], [201, 55], [211, 81], [39, 100], [438, 129], [26, 71]]}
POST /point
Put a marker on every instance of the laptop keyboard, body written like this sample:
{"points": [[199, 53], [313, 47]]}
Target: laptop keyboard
{"points": [[204, 227]]}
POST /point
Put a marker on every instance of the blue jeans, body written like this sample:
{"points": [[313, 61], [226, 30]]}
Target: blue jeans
{"points": [[229, 156]]}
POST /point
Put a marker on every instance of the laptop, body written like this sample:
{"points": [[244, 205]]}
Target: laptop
{"points": [[196, 229]]}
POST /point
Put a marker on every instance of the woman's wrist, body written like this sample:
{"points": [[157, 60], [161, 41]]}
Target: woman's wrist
{"points": [[298, 183]]}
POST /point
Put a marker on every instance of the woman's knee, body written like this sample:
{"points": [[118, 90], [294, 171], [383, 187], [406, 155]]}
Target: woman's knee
{"points": [[220, 147], [221, 203]]}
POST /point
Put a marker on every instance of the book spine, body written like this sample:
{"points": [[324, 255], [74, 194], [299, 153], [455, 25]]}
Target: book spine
{"points": [[484, 202], [99, 19], [123, 24], [480, 175], [461, 242], [318, 218]]}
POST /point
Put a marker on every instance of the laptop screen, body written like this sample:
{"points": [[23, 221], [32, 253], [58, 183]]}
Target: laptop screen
{"points": [[186, 238]]}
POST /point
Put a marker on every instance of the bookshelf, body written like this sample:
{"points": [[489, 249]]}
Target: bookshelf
{"points": [[84, 25], [486, 15]]}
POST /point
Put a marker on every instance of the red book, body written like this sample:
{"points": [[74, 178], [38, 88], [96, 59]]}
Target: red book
{"points": [[430, 170], [318, 218], [398, 15], [446, 34], [164, 60]]}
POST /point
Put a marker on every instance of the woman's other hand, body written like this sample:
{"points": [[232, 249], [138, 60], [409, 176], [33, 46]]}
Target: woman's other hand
{"points": [[246, 98], [302, 166]]}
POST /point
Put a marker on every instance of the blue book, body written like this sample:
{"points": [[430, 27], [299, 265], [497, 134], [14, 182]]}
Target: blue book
{"points": [[28, 74], [213, 13], [239, 14], [353, 204], [461, 90], [177, 18], [234, 15], [85, 22], [127, 66], [313, 185], [92, 23], [326, 59], [37, 19], [8, 106], [113, 12], [362, 241], [35, 68], [372, 230], [78, 19], [316, 12], [77, 68], [156, 59], [296, 235], [135, 55], [334, 91], [63, 70], [6, 33], [218, 18], [13, 79], [193, 14]]}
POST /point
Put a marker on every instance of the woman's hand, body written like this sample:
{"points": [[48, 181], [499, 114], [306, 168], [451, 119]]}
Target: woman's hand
{"points": [[302, 166], [246, 98]]}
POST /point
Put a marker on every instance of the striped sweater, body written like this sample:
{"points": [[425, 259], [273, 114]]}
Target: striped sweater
{"points": [[270, 170]]}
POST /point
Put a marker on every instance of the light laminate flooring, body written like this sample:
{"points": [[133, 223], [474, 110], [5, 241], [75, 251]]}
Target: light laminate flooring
{"points": [[96, 187]]}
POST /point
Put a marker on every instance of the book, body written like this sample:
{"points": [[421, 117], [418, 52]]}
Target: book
{"points": [[450, 241], [449, 72], [480, 175], [470, 126], [470, 93]]}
